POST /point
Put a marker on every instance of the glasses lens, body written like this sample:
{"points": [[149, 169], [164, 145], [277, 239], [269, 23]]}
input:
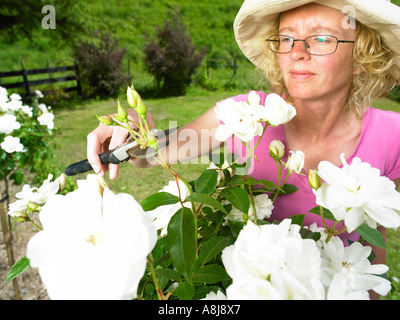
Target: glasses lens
{"points": [[321, 45], [280, 44]]}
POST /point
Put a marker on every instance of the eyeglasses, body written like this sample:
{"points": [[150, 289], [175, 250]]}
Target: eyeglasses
{"points": [[319, 45]]}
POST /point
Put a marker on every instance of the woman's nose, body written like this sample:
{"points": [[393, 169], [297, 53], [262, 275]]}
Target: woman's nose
{"points": [[299, 51]]}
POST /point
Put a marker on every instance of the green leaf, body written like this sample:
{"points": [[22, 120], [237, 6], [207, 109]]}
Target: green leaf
{"points": [[289, 188], [371, 235], [182, 241], [206, 199], [239, 198], [268, 184], [298, 219], [158, 199], [168, 273], [207, 182], [212, 247], [185, 291], [17, 269], [211, 274], [327, 214]]}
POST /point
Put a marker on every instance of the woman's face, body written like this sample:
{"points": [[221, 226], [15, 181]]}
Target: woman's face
{"points": [[310, 77]]}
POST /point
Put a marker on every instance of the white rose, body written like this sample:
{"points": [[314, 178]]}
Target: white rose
{"points": [[276, 111], [276, 254], [239, 119], [347, 270], [39, 195], [263, 205], [8, 123], [12, 144], [295, 162], [357, 193], [46, 119], [94, 244]]}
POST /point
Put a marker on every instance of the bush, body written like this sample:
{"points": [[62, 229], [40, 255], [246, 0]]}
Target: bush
{"points": [[172, 59], [100, 63]]}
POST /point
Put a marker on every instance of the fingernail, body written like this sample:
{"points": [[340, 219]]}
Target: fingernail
{"points": [[97, 170]]}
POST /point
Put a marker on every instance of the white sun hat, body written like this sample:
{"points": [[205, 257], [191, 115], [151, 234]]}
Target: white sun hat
{"points": [[255, 18]]}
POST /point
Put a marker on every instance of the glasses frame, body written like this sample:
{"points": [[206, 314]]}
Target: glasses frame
{"points": [[305, 43]]}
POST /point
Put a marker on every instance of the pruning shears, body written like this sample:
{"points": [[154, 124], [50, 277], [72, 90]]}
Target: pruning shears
{"points": [[123, 152]]}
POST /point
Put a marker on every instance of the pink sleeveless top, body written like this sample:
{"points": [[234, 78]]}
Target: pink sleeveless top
{"points": [[379, 145]]}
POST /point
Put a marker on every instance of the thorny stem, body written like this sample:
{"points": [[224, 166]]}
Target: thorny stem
{"points": [[150, 261]]}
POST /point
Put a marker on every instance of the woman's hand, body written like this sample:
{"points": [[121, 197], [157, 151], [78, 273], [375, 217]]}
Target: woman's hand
{"points": [[105, 138]]}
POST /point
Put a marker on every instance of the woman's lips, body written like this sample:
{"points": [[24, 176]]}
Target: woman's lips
{"points": [[301, 74]]}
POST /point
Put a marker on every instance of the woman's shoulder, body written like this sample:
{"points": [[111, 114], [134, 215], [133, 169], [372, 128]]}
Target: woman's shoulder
{"points": [[383, 117]]}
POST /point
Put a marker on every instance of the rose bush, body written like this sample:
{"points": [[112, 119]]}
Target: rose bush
{"points": [[26, 133], [212, 239]]}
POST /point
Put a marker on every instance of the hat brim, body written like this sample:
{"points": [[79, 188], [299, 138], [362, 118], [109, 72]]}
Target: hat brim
{"points": [[256, 17]]}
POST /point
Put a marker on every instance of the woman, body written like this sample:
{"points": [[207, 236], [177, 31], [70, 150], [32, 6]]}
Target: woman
{"points": [[330, 85]]}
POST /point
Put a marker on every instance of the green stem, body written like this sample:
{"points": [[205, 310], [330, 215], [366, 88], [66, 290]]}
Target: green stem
{"points": [[153, 275]]}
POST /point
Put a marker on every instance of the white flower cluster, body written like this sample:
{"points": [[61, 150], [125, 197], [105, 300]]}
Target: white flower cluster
{"points": [[272, 262], [30, 200], [10, 108], [243, 119], [94, 243]]}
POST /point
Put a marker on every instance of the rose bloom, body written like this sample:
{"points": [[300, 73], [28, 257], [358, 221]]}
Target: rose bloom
{"points": [[348, 273], [239, 118], [357, 193], [41, 194], [273, 261], [263, 205], [46, 119], [295, 162], [94, 244], [12, 144], [8, 123], [276, 111]]}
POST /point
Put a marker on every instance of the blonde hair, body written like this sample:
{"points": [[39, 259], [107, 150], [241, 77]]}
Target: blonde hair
{"points": [[378, 72]]}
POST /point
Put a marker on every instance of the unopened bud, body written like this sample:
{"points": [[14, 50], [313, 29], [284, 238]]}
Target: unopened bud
{"points": [[133, 97], [20, 216], [122, 114], [141, 109], [107, 120], [314, 180], [276, 149], [32, 206]]}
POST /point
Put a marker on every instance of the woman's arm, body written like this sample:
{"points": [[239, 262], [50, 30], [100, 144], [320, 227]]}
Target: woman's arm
{"points": [[188, 142]]}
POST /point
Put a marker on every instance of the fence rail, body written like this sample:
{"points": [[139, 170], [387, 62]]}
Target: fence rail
{"points": [[27, 84]]}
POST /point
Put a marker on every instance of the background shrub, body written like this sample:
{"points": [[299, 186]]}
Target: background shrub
{"points": [[171, 58], [100, 63]]}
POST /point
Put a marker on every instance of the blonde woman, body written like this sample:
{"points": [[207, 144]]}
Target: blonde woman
{"points": [[330, 67]]}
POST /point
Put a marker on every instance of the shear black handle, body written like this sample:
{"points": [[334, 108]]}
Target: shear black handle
{"points": [[84, 165]]}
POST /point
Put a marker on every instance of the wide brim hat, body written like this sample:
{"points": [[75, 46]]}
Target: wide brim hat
{"points": [[256, 17]]}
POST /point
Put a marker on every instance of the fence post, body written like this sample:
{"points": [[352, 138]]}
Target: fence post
{"points": [[26, 83], [78, 80]]}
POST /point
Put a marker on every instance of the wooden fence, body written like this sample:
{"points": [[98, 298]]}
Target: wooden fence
{"points": [[27, 84]]}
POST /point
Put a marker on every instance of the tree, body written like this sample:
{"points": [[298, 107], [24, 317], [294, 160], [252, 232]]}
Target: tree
{"points": [[172, 58], [21, 18]]}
